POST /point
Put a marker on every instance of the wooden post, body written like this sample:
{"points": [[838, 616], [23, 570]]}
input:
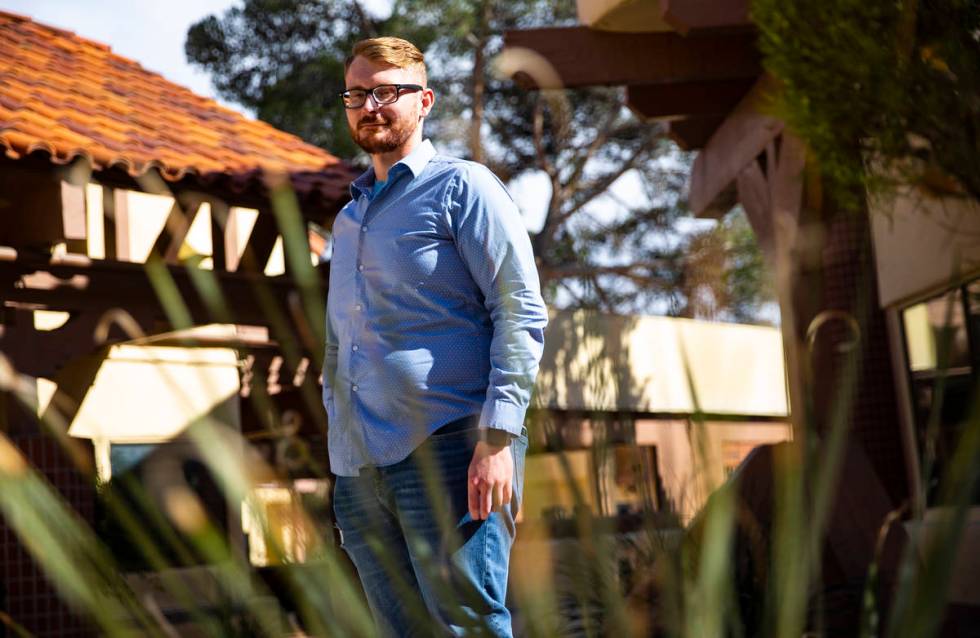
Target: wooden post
{"points": [[219, 234], [109, 236], [260, 243], [772, 201]]}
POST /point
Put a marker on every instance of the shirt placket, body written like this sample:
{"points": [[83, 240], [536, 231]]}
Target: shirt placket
{"points": [[360, 294], [360, 310]]}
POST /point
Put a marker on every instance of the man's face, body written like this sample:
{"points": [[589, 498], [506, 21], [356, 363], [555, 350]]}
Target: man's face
{"points": [[387, 127]]}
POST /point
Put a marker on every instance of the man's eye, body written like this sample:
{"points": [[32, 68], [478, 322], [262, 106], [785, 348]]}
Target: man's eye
{"points": [[385, 93]]}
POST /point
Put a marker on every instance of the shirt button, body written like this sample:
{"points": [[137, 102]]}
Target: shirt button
{"points": [[354, 348], [363, 229], [354, 388], [360, 267], [358, 307]]}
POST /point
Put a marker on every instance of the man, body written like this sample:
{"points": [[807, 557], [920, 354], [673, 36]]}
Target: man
{"points": [[434, 332]]}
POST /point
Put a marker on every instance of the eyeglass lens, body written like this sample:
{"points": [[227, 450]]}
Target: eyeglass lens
{"points": [[383, 94]]}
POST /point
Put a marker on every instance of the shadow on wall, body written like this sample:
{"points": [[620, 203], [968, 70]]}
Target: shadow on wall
{"points": [[587, 363]]}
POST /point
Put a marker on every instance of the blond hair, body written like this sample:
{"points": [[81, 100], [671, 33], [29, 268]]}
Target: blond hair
{"points": [[389, 50]]}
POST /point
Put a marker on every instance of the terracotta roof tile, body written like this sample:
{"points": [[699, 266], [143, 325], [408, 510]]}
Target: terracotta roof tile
{"points": [[68, 96]]}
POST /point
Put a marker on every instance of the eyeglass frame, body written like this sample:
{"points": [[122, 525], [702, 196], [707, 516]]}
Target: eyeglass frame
{"points": [[369, 93]]}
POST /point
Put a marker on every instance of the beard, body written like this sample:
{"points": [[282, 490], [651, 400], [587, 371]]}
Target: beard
{"points": [[385, 135]]}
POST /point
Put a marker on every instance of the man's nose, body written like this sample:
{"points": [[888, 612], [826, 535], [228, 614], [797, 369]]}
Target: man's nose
{"points": [[370, 104]]}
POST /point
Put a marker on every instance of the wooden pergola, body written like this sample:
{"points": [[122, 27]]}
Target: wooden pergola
{"points": [[695, 68]]}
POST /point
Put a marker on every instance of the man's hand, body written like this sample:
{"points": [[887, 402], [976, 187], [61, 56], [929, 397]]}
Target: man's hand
{"points": [[489, 479]]}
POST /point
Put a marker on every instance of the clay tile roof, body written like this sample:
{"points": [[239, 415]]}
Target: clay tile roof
{"points": [[67, 96]]}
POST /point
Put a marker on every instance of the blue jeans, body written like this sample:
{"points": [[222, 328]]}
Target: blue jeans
{"points": [[427, 568]]}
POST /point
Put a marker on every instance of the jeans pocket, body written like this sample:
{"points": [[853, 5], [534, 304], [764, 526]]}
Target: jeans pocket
{"points": [[341, 506], [519, 450], [338, 535]]}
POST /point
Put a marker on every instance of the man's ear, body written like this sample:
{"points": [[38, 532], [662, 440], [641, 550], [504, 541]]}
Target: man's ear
{"points": [[428, 99]]}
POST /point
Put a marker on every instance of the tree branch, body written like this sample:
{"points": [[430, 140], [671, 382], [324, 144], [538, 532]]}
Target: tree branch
{"points": [[368, 26], [579, 301], [628, 271], [597, 143], [602, 185], [543, 160], [600, 293]]}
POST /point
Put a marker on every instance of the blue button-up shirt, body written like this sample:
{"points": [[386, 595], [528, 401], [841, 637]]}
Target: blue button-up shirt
{"points": [[434, 311]]}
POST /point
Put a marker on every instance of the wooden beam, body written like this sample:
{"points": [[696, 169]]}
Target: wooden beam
{"points": [[260, 242], [787, 177], [772, 200], [622, 15], [41, 353], [682, 99], [754, 195], [96, 285], [583, 57], [738, 141], [693, 132], [109, 223], [219, 238], [663, 15], [691, 15], [173, 233]]}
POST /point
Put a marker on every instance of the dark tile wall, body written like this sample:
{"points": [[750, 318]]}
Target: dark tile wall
{"points": [[26, 594], [850, 284]]}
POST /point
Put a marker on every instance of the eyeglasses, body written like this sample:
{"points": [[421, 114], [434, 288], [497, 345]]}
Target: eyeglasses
{"points": [[381, 94]]}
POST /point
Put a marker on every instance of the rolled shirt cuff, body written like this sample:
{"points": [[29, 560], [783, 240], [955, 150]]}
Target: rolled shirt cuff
{"points": [[501, 415]]}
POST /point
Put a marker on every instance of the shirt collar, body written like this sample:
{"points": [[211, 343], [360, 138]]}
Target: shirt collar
{"points": [[418, 158], [415, 162]]}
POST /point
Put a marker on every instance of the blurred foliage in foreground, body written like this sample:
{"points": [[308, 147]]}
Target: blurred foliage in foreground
{"points": [[684, 582], [750, 564]]}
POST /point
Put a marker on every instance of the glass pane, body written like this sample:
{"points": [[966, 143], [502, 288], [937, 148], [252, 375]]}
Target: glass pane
{"points": [[555, 487], [936, 335], [123, 458], [631, 480], [973, 320]]}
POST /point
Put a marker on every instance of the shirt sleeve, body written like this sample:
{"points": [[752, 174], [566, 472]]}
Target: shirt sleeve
{"points": [[494, 244]]}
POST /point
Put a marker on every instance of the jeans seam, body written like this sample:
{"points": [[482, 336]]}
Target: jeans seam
{"points": [[485, 572]]}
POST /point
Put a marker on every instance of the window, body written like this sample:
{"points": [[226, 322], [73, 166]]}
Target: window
{"points": [[154, 489], [287, 522], [631, 483], [942, 341]]}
